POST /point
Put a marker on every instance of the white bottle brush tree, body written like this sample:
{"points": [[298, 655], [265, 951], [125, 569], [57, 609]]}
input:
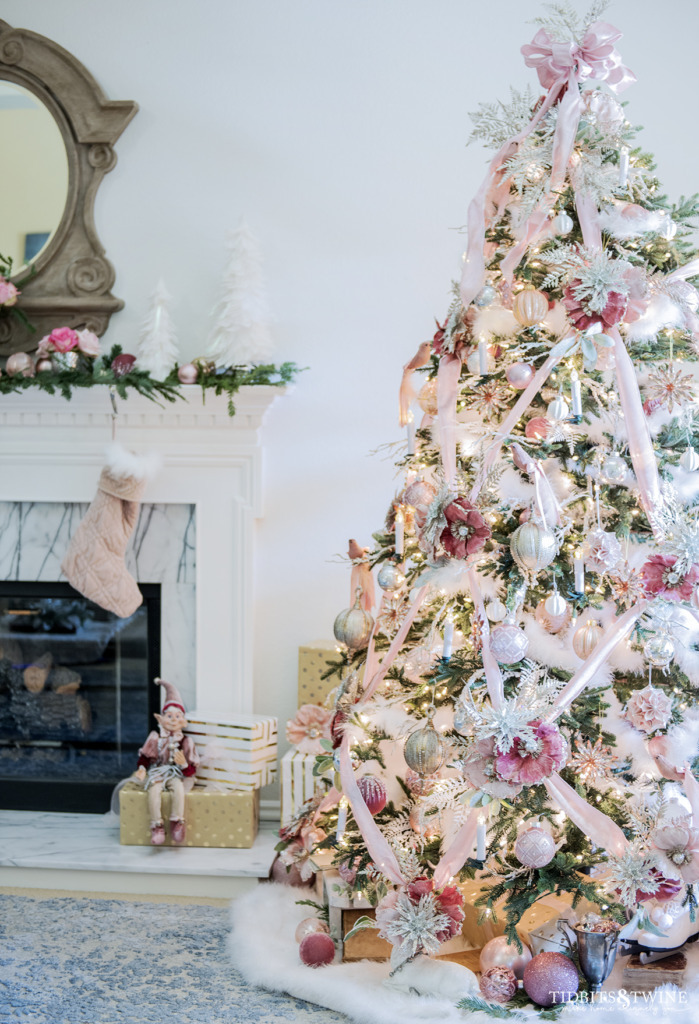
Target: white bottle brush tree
{"points": [[241, 334], [157, 350]]}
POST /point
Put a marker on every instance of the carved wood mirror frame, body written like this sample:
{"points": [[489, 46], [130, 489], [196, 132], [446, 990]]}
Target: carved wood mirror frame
{"points": [[72, 279]]}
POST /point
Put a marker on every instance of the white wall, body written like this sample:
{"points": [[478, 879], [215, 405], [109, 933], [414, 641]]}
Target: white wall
{"points": [[338, 129]]}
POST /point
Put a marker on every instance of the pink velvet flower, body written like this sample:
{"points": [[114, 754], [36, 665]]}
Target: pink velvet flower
{"points": [[667, 889], [88, 343], [582, 318], [649, 709], [479, 771], [8, 292], [662, 580], [450, 901], [310, 724], [387, 912], [679, 843], [467, 530], [531, 767]]}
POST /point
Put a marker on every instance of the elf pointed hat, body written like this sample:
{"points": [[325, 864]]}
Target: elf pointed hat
{"points": [[172, 695]]}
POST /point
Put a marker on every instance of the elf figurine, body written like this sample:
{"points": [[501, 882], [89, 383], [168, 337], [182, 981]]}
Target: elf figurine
{"points": [[165, 761]]}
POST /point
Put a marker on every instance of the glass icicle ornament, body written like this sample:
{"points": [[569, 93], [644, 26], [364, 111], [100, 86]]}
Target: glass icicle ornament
{"points": [[659, 650], [353, 626], [425, 751], [586, 638], [390, 577], [533, 546], [530, 307]]}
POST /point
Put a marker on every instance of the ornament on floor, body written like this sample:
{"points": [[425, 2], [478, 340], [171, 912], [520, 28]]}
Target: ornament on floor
{"points": [[563, 224], [558, 410], [373, 793], [535, 847], [168, 761], [550, 978], [425, 750], [519, 375], [427, 397], [508, 642], [123, 364], [689, 460], [310, 926], [289, 874], [187, 373], [586, 638], [353, 626], [390, 577], [533, 546], [498, 984], [500, 952], [20, 364], [659, 650], [530, 307], [614, 468], [157, 350], [241, 333], [496, 610], [317, 950]]}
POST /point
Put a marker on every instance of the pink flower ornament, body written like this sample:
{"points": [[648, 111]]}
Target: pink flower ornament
{"points": [[466, 531], [308, 727], [531, 763], [8, 292], [649, 710], [678, 844], [663, 580]]}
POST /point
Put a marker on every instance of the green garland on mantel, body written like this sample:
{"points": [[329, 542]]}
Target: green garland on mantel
{"points": [[99, 373]]}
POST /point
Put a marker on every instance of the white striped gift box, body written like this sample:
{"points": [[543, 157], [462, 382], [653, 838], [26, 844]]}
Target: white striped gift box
{"points": [[237, 751], [298, 782]]}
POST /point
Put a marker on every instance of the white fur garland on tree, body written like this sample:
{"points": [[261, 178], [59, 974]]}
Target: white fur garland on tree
{"points": [[241, 333], [157, 350]]}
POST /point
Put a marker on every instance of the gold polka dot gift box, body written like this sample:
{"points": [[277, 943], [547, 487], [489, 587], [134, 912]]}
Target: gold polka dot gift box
{"points": [[214, 819]]}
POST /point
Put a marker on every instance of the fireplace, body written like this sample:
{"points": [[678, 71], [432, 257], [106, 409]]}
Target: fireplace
{"points": [[76, 695]]}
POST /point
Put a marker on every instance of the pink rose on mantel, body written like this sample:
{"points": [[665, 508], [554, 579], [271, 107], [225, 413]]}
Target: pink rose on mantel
{"points": [[61, 339], [308, 727], [531, 765], [663, 580], [649, 709], [88, 343], [8, 292]]}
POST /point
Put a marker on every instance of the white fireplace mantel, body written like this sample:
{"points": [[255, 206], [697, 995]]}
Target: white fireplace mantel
{"points": [[52, 450]]}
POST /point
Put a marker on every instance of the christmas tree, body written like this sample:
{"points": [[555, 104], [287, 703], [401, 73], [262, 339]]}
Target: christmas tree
{"points": [[241, 332], [157, 350], [520, 714]]}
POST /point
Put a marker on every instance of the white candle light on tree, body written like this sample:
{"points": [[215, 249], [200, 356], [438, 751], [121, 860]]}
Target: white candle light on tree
{"points": [[579, 566], [623, 166], [482, 357], [448, 638], [400, 532], [480, 838], [576, 394], [341, 819]]}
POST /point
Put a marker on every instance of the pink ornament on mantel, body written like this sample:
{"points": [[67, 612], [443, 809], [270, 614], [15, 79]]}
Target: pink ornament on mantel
{"points": [[44, 366], [519, 375], [317, 950], [550, 978], [122, 364], [19, 364], [373, 793], [187, 373]]}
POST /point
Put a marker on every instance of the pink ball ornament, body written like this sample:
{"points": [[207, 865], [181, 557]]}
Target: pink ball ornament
{"points": [[123, 364], [187, 373], [19, 364], [498, 984], [420, 492], [535, 847], [309, 926], [317, 950], [501, 953], [280, 875], [537, 428], [44, 366], [373, 793], [519, 375], [550, 978]]}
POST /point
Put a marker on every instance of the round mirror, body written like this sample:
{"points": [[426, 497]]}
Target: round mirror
{"points": [[33, 175]]}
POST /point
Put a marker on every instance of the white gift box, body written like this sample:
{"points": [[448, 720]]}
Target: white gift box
{"points": [[237, 751], [298, 783]]}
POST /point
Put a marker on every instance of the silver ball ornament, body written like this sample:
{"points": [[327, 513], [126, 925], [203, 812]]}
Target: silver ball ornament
{"points": [[390, 577], [563, 224], [614, 468], [689, 460], [659, 650], [558, 409], [533, 546], [508, 643], [555, 605], [424, 750], [353, 626], [496, 610], [519, 375], [486, 296]]}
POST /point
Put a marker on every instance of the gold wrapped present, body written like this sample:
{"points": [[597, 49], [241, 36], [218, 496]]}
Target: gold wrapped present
{"points": [[236, 751], [313, 663], [214, 819]]}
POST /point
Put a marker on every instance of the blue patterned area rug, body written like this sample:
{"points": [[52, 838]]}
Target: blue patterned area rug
{"points": [[90, 961]]}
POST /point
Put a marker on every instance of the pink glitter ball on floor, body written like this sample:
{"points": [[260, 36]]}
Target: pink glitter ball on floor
{"points": [[550, 978], [317, 950], [498, 984]]}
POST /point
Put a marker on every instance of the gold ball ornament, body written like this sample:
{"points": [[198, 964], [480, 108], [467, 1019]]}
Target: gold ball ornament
{"points": [[20, 364], [353, 626], [424, 750], [533, 546], [586, 638], [427, 398], [530, 307]]}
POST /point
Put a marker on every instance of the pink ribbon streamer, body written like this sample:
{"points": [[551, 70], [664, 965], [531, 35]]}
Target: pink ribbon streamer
{"points": [[328, 801], [493, 675], [459, 850], [546, 500], [592, 822], [392, 651], [447, 391], [582, 678], [588, 215], [406, 394], [557, 353], [691, 788], [363, 580], [377, 846], [640, 444]]}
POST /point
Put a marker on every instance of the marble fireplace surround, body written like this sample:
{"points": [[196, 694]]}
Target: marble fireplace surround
{"points": [[52, 451]]}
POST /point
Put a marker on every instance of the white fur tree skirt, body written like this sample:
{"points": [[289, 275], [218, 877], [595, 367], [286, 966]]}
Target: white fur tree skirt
{"points": [[265, 952]]}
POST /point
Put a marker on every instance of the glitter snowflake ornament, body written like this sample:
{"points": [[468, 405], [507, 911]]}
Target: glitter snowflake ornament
{"points": [[628, 585], [668, 387], [593, 762], [489, 398]]}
